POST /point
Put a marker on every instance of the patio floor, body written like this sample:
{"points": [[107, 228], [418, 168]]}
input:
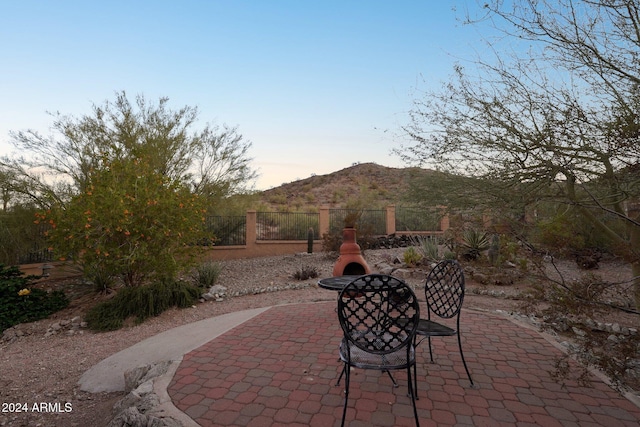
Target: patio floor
{"points": [[280, 368]]}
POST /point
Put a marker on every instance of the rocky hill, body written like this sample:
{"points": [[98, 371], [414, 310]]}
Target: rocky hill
{"points": [[373, 184]]}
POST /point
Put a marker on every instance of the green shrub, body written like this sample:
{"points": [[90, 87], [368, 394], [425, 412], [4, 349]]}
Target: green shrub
{"points": [[20, 302], [449, 255], [411, 256], [560, 233], [206, 274], [141, 302]]}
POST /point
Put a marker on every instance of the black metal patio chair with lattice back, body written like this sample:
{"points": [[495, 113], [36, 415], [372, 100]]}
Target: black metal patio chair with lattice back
{"points": [[444, 294], [379, 315]]}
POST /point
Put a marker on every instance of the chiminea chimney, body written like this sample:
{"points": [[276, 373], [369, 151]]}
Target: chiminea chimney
{"points": [[350, 261]]}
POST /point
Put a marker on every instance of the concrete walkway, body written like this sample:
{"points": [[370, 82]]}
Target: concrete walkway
{"points": [[108, 375]]}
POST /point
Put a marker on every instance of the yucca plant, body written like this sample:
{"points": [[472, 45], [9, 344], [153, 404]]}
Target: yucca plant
{"points": [[474, 242], [427, 246]]}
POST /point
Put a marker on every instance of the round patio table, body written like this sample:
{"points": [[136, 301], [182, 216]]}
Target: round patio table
{"points": [[337, 283]]}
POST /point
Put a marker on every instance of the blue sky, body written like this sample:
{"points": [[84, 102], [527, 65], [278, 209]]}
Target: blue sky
{"points": [[314, 85]]}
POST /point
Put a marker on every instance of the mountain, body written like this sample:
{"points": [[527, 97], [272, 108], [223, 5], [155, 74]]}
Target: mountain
{"points": [[378, 185]]}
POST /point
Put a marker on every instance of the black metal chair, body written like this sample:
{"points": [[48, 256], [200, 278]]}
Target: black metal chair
{"points": [[444, 293], [379, 315]]}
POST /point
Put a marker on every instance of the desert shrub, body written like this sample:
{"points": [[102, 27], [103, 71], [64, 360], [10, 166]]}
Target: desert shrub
{"points": [[20, 302], [569, 308], [101, 278], [131, 220], [307, 272], [141, 302], [411, 256], [331, 242], [559, 234], [207, 274]]}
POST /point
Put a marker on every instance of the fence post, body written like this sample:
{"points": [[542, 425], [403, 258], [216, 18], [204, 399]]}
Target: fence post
{"points": [[391, 220], [323, 221], [444, 221], [252, 225]]}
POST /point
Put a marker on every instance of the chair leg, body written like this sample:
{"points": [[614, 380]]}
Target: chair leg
{"points": [[413, 393], [346, 392], [430, 350], [341, 374], [464, 362], [395, 384], [415, 381], [415, 371]]}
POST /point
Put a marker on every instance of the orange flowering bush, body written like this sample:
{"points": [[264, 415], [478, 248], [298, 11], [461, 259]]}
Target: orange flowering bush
{"points": [[130, 222]]}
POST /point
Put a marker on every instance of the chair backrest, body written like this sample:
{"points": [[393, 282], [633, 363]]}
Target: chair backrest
{"points": [[378, 313], [444, 290]]}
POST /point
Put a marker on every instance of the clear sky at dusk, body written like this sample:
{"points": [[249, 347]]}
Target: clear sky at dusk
{"points": [[315, 85]]}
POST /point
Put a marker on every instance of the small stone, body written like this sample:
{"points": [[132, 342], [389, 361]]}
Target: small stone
{"points": [[578, 332]]}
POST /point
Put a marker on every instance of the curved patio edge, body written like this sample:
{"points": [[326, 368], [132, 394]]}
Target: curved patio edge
{"points": [[170, 345]]}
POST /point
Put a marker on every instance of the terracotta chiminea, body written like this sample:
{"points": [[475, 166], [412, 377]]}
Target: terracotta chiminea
{"points": [[350, 261]]}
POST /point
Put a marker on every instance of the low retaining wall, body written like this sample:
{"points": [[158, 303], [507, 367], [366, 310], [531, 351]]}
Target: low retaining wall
{"points": [[259, 249]]}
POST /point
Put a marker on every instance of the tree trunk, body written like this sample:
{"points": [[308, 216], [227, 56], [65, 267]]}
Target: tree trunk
{"points": [[634, 249], [635, 270]]}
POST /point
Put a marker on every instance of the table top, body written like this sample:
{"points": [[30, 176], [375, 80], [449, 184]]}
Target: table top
{"points": [[337, 283]]}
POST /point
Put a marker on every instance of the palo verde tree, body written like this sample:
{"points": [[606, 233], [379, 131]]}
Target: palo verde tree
{"points": [[556, 121], [213, 161], [126, 187]]}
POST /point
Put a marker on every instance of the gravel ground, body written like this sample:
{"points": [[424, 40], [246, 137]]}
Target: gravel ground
{"points": [[38, 369]]}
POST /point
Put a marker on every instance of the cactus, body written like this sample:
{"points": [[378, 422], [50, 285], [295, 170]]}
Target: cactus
{"points": [[310, 240], [494, 250]]}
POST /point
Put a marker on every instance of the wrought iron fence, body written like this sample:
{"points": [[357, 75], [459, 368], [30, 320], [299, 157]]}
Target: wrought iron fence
{"points": [[374, 220], [22, 241], [286, 225], [418, 219], [227, 230]]}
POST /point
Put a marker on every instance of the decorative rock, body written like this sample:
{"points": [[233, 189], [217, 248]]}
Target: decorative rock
{"points": [[216, 292], [481, 278], [137, 408], [134, 377], [579, 332], [131, 417]]}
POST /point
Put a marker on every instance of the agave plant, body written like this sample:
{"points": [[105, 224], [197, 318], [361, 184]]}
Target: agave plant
{"points": [[474, 242]]}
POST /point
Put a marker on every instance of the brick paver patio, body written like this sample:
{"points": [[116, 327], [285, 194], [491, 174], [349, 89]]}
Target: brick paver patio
{"points": [[280, 368]]}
